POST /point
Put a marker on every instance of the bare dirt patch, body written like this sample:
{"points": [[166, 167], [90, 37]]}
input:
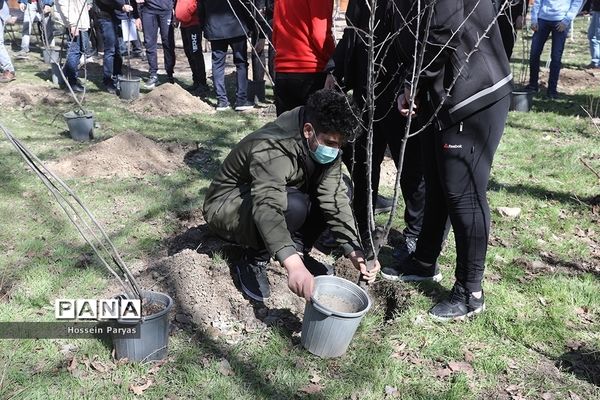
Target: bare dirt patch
{"points": [[16, 94], [206, 295], [170, 100], [126, 155], [572, 81]]}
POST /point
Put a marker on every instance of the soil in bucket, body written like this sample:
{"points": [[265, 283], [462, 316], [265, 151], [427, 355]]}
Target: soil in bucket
{"points": [[337, 303], [333, 315], [153, 340]]}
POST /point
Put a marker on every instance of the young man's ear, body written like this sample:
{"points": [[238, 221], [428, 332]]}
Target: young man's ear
{"points": [[307, 130]]}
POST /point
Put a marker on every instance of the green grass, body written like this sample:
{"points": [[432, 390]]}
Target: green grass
{"points": [[531, 318]]}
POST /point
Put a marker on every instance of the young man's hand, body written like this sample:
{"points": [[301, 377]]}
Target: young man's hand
{"points": [[74, 31], [138, 24], [404, 103], [22, 7], [300, 281], [359, 262], [127, 8], [534, 27]]}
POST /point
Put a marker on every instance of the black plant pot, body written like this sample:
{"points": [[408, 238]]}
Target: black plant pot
{"points": [[521, 100], [81, 125]]}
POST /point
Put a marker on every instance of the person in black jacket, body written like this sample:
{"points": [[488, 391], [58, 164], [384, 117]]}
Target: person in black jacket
{"points": [[351, 72], [226, 25], [158, 15], [510, 20], [108, 13], [463, 88]]}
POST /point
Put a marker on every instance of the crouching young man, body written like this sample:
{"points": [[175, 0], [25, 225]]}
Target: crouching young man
{"points": [[280, 187]]}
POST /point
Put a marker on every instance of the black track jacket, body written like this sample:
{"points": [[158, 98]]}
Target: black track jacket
{"points": [[461, 74]]}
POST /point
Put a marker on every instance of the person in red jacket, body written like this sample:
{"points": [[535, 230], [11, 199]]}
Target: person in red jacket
{"points": [[186, 12], [303, 44]]}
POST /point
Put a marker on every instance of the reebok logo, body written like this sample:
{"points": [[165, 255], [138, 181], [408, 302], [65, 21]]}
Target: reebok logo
{"points": [[452, 146]]}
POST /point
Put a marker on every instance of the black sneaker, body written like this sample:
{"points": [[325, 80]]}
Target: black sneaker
{"points": [[111, 88], [458, 306], [316, 267], [245, 106], [77, 87], [151, 82], [406, 249], [253, 279], [552, 95], [223, 106], [383, 205], [170, 79], [412, 271], [532, 88]]}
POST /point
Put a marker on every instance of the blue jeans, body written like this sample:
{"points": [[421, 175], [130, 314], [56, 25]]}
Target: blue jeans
{"points": [[594, 37], [74, 51], [112, 62], [5, 62], [239, 46], [545, 28]]}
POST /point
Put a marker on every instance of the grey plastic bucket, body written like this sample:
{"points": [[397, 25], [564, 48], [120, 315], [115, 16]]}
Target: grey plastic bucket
{"points": [[327, 332], [153, 341], [57, 77], [521, 101], [81, 126], [50, 55], [129, 88]]}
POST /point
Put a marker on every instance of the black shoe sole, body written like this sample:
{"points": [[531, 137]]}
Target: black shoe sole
{"points": [[412, 278], [247, 291], [470, 314]]}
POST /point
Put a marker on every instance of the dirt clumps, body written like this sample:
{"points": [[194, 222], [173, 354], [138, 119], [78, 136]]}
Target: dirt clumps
{"points": [[25, 96], [126, 155], [206, 295], [170, 99]]}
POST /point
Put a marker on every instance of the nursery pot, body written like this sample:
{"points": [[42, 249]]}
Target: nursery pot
{"points": [[521, 100], [332, 315], [152, 343], [50, 55], [57, 78], [81, 125], [130, 88]]}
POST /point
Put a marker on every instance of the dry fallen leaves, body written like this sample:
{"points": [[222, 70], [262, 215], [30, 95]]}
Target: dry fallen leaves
{"points": [[315, 378], [510, 212], [99, 366], [157, 365], [461, 366], [311, 388], [72, 365], [139, 389], [574, 345], [391, 391], [225, 368]]}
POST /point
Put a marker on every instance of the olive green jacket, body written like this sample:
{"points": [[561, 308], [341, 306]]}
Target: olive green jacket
{"points": [[247, 199]]}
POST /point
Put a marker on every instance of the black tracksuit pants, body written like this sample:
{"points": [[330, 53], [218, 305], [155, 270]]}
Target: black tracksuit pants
{"points": [[457, 171], [292, 89], [388, 130], [151, 23], [192, 46], [304, 221]]}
